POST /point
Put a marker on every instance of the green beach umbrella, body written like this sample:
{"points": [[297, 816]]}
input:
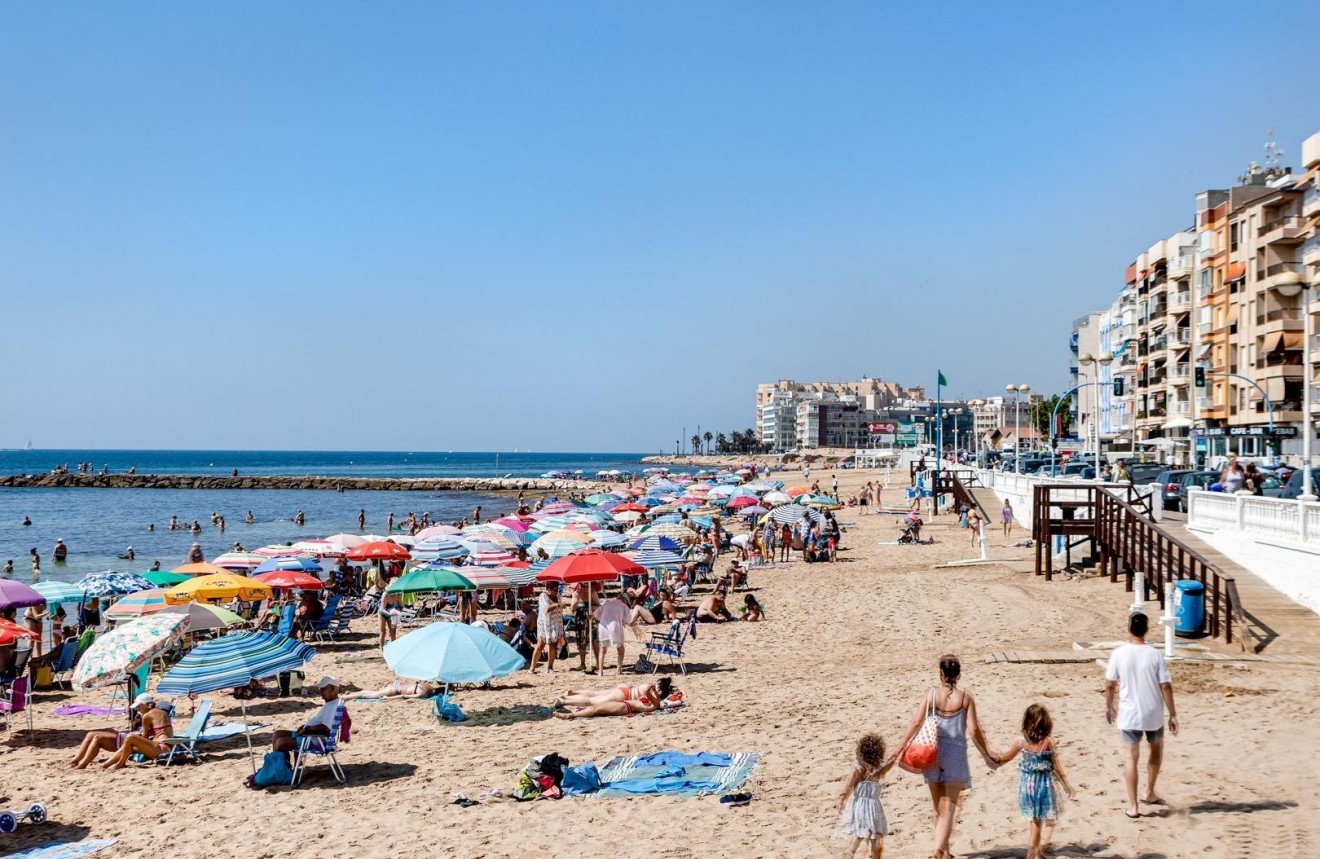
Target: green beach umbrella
{"points": [[165, 579], [202, 616], [427, 579]]}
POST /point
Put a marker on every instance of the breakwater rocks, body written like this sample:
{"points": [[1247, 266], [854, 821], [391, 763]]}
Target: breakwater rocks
{"points": [[397, 484]]}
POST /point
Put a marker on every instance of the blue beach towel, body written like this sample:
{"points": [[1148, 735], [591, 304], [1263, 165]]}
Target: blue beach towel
{"points": [[675, 774], [72, 850]]}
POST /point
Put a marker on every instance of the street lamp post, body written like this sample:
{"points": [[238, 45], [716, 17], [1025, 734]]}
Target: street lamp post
{"points": [[1087, 361], [1016, 390]]}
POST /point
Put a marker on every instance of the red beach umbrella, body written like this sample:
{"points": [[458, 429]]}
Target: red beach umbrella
{"points": [[590, 565], [381, 550], [12, 632], [288, 579], [631, 508]]}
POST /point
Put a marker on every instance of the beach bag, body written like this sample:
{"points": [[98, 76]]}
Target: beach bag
{"points": [[581, 779], [448, 711], [923, 750], [644, 665], [275, 770]]}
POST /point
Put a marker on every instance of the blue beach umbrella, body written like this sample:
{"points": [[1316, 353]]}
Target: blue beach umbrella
{"points": [[234, 660], [657, 542], [452, 653], [113, 583], [656, 558], [288, 563], [441, 547]]}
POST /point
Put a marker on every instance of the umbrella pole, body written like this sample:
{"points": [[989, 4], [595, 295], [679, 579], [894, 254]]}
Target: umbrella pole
{"points": [[591, 628], [247, 732]]}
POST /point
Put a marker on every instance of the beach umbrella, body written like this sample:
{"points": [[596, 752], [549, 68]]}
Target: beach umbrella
{"points": [[720, 492], [136, 605], [558, 507], [320, 548], [126, 648], [222, 586], [589, 565], [520, 573], [380, 550], [653, 559], [776, 497], [601, 498], [491, 559], [374, 538], [608, 540], [628, 516], [452, 653], [485, 541], [816, 501], [163, 579], [201, 616], [513, 523], [59, 592], [477, 544], [231, 661], [299, 565], [285, 580], [113, 583], [403, 540], [791, 514], [555, 547], [428, 578], [437, 531], [441, 547], [348, 541], [656, 542], [681, 533], [202, 569], [485, 578], [753, 512], [631, 507], [239, 562], [11, 632], [794, 491], [277, 550], [742, 501]]}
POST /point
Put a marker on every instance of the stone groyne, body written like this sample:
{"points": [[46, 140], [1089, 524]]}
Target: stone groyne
{"points": [[218, 481]]}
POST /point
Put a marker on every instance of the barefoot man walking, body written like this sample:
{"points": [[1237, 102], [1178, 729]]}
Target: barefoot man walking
{"points": [[1139, 676]]}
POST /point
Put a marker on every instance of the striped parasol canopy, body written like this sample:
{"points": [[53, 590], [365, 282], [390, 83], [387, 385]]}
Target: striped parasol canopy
{"points": [[202, 616], [127, 648], [320, 548], [556, 547], [297, 565], [239, 562], [491, 559], [137, 605], [59, 592], [608, 540], [520, 572], [484, 578], [440, 547], [656, 558], [776, 497], [626, 516], [277, 550], [681, 533], [437, 531], [348, 541], [656, 543], [791, 514], [547, 524]]}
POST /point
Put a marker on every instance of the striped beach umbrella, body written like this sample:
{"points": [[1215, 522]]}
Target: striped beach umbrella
{"points": [[320, 548], [348, 541], [556, 547], [486, 578], [137, 605], [656, 543], [654, 559], [59, 592], [520, 572], [608, 540], [681, 533], [126, 648], [277, 550], [440, 547], [239, 562], [437, 531], [293, 565], [791, 514], [205, 616], [491, 559], [776, 497], [231, 661]]}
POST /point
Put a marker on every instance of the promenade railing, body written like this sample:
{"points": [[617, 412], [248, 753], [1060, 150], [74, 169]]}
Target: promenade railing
{"points": [[1272, 519]]}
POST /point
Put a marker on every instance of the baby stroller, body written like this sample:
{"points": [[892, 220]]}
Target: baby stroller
{"points": [[911, 531]]}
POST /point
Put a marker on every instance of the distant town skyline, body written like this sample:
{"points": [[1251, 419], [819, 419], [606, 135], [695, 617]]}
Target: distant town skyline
{"points": [[430, 226]]}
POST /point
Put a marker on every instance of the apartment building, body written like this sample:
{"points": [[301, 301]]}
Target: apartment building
{"points": [[796, 415], [1228, 296]]}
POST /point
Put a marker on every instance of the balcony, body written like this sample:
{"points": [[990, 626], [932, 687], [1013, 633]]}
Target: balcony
{"points": [[1180, 266], [1277, 320], [1181, 337], [1279, 274], [1180, 372], [1159, 287], [1311, 202], [1311, 252], [1204, 329], [1289, 229], [1158, 309], [1159, 344], [1180, 301], [1127, 332], [1181, 407]]}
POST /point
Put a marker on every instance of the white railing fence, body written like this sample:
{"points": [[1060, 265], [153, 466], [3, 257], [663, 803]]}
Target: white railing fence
{"points": [[1256, 516]]}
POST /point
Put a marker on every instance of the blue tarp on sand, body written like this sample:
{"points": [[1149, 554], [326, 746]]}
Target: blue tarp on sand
{"points": [[675, 774]]}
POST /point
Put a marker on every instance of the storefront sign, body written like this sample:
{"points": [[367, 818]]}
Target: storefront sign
{"points": [[1254, 431]]}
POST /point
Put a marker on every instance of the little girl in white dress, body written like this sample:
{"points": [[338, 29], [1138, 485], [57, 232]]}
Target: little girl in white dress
{"points": [[864, 818]]}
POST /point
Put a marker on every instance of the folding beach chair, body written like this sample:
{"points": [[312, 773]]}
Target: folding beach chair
{"points": [[64, 664], [187, 741], [285, 629], [670, 644], [22, 653], [18, 700], [139, 678], [328, 615], [338, 625], [322, 747]]}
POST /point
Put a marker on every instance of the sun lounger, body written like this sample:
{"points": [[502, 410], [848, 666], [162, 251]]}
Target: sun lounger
{"points": [[187, 741]]}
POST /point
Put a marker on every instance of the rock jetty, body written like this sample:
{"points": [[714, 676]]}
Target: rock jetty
{"points": [[218, 481]]}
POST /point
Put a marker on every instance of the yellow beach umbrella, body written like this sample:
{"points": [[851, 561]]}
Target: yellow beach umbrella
{"points": [[221, 586], [200, 569]]}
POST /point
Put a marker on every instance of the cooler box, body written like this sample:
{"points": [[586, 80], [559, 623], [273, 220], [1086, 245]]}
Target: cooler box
{"points": [[1189, 608]]}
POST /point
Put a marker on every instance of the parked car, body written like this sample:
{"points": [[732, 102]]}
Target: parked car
{"points": [[1170, 482], [1078, 469], [1145, 472], [1199, 479], [1294, 486]]}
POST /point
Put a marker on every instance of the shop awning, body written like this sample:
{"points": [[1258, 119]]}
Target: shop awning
{"points": [[1176, 423]]}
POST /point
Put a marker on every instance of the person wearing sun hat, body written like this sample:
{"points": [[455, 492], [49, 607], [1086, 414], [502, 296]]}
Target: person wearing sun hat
{"points": [[320, 723]]}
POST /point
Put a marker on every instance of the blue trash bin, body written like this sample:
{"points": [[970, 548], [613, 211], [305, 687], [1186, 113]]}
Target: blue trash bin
{"points": [[1189, 608]]}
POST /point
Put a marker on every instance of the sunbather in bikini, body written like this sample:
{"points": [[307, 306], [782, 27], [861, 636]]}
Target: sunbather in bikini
{"points": [[399, 689], [623, 700]]}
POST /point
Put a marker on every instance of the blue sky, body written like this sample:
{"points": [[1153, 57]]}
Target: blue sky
{"points": [[583, 226]]}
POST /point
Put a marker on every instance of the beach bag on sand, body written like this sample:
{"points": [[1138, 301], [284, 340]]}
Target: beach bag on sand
{"points": [[922, 751], [274, 771]]}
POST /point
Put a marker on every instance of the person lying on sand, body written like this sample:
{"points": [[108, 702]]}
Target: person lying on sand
{"points": [[399, 689], [619, 701]]}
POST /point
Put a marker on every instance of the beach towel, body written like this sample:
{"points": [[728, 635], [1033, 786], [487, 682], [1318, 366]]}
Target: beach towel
{"points": [[87, 710], [224, 731], [71, 850], [675, 774]]}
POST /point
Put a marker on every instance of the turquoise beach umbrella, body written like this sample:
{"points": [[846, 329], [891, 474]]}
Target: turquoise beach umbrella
{"points": [[452, 653]]}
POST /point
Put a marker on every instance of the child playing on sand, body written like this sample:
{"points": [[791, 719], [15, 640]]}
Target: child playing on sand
{"points": [[864, 818], [1038, 799]]}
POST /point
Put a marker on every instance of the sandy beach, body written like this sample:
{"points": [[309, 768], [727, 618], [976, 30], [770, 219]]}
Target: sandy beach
{"points": [[847, 648]]}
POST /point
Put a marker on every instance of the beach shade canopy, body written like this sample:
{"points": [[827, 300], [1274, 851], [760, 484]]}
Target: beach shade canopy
{"points": [[608, 540], [59, 592], [486, 578], [816, 501], [681, 533], [492, 559], [776, 498], [498, 538], [653, 542], [655, 558], [203, 569], [452, 653], [627, 515], [127, 648], [556, 547], [231, 661], [513, 523], [440, 547], [136, 605], [239, 562], [379, 550], [113, 583], [348, 541], [791, 514], [520, 573], [277, 550], [225, 586], [437, 531], [742, 501], [294, 564], [283, 580], [202, 616], [753, 512], [11, 632], [320, 548], [163, 579], [429, 578], [589, 565]]}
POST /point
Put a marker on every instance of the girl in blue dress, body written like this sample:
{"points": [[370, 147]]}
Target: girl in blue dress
{"points": [[1038, 794]]}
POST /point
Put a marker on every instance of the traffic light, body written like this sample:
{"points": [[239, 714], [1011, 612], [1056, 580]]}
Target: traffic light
{"points": [[1118, 387], [1200, 377]]}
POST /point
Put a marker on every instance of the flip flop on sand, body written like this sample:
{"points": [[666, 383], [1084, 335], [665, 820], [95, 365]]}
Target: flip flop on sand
{"points": [[1130, 815], [1156, 801]]}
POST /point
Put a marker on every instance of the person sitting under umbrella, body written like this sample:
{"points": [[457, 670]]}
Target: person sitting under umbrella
{"points": [[309, 613], [623, 700], [320, 723], [147, 725]]}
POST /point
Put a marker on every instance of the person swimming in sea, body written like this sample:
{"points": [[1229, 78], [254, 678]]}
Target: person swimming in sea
{"points": [[27, 521]]}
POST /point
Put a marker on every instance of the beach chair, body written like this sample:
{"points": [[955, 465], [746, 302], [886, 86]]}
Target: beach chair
{"points": [[17, 700], [140, 679], [321, 747], [670, 644], [64, 664], [285, 629], [338, 625], [22, 653], [187, 741], [84, 641], [328, 615]]}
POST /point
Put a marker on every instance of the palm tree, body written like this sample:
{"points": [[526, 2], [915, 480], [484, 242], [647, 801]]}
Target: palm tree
{"points": [[696, 444], [708, 437], [721, 443]]}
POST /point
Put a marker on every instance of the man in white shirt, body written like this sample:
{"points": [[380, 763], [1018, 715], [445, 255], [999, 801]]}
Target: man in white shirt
{"points": [[320, 723], [612, 616], [1139, 676]]}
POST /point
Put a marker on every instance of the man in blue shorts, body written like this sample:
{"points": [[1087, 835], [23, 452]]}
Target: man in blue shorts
{"points": [[1138, 676]]}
